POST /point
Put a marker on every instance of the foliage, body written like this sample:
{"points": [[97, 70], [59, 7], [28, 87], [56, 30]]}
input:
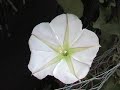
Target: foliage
{"points": [[105, 72]]}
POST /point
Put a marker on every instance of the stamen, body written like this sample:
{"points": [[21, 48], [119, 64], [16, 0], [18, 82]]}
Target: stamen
{"points": [[63, 52]]}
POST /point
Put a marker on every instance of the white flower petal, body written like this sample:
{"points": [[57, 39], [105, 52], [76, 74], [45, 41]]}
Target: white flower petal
{"points": [[39, 59], [58, 24], [75, 28], [81, 69], [38, 45], [44, 33], [47, 71], [87, 39], [86, 56], [63, 73]]}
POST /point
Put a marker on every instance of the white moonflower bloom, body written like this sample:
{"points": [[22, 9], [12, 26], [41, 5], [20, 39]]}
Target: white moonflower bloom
{"points": [[62, 49]]}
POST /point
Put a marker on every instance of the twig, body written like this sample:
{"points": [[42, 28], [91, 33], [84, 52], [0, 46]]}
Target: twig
{"points": [[12, 5]]}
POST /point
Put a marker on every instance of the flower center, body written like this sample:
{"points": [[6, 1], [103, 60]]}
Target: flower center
{"points": [[64, 52]]}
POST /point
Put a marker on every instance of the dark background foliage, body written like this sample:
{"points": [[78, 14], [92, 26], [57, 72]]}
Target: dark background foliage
{"points": [[17, 19]]}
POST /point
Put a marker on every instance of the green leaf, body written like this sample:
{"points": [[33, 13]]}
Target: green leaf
{"points": [[72, 6], [104, 14], [111, 28]]}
